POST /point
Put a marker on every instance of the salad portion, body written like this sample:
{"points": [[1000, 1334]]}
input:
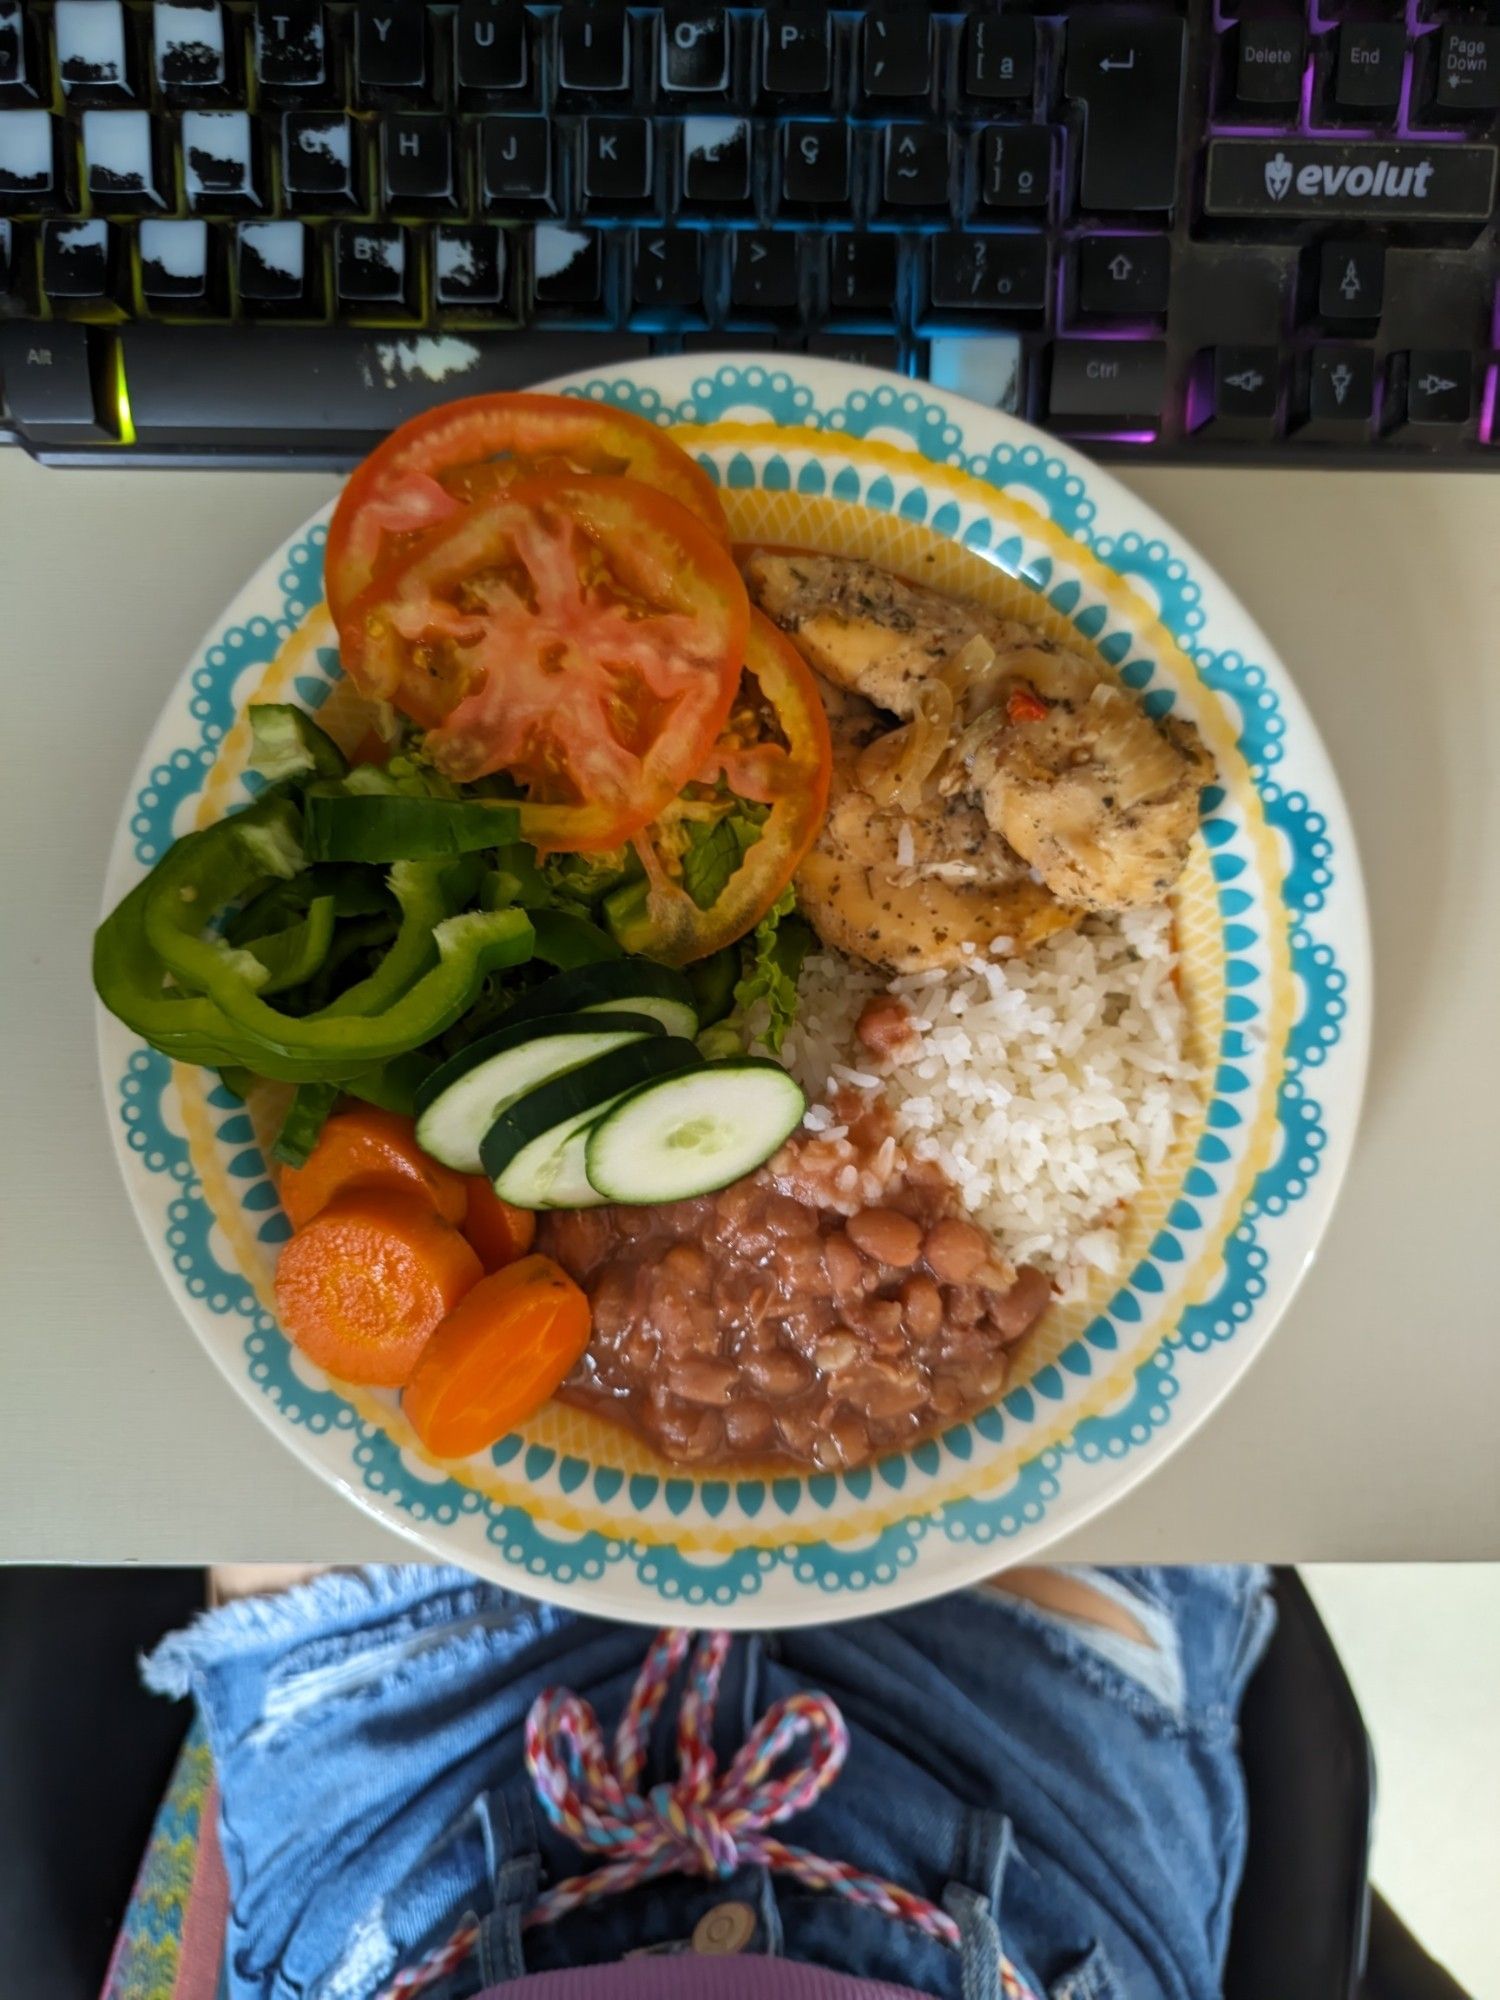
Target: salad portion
{"points": [[503, 928]]}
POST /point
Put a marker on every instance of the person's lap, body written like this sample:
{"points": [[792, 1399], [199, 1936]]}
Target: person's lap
{"points": [[1061, 1747]]}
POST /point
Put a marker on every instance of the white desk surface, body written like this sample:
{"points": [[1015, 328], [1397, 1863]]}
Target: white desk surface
{"points": [[1367, 1431]]}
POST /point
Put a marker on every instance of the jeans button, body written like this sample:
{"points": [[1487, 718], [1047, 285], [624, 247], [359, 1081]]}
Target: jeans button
{"points": [[724, 1930]]}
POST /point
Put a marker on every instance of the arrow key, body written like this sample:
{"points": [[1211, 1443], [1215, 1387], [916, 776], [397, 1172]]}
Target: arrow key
{"points": [[1122, 276], [1340, 396], [1234, 393], [1351, 281], [1439, 385]]}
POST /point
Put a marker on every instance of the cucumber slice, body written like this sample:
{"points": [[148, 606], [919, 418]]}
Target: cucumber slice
{"points": [[634, 984], [687, 1135], [460, 1101], [534, 1151]]}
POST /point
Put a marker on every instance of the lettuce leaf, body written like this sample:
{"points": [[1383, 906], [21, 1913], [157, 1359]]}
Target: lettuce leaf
{"points": [[772, 959]]}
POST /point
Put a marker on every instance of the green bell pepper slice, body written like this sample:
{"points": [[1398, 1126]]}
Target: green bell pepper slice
{"points": [[293, 955], [286, 743], [129, 979], [427, 979], [345, 826], [333, 1046]]}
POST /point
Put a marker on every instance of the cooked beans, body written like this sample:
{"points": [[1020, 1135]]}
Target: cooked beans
{"points": [[887, 1237], [885, 1025], [955, 1250], [826, 1309]]}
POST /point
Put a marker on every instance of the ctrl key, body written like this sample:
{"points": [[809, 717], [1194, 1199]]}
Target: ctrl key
{"points": [[1107, 385], [47, 386]]}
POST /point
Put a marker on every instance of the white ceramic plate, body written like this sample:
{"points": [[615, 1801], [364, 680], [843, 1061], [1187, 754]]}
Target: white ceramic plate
{"points": [[1272, 926]]}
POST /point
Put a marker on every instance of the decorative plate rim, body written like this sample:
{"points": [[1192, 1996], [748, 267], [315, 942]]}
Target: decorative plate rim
{"points": [[769, 408]]}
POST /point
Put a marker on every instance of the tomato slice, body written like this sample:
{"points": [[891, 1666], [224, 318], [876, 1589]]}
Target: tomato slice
{"points": [[582, 634], [437, 464], [776, 753]]}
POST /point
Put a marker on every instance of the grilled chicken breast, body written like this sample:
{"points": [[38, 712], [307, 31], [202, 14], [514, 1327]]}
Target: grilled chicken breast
{"points": [[908, 891], [1093, 793]]}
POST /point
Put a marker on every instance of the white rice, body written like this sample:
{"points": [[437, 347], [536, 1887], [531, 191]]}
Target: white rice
{"points": [[1047, 1087]]}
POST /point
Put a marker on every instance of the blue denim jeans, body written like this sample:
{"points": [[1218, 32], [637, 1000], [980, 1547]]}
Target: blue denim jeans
{"points": [[1073, 1797]]}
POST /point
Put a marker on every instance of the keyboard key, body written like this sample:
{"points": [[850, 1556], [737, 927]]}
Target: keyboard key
{"points": [[667, 270], [1468, 68], [372, 264], [763, 273], [1015, 166], [291, 50], [1370, 60], [716, 160], [1340, 392], [917, 165], [867, 350], [1439, 385], [92, 58], [1119, 276], [731, 341], [490, 46], [1347, 181], [897, 54], [1269, 57], [593, 47], [48, 386], [390, 48], [1351, 280], [1241, 393], [985, 367], [218, 160], [1126, 71], [989, 273], [815, 164], [515, 164], [568, 265], [189, 45], [19, 69], [861, 273], [1000, 57], [617, 160], [336, 390], [416, 161], [318, 167], [695, 49], [28, 161], [798, 53], [469, 267], [1114, 383], [120, 160], [175, 269], [271, 264], [78, 262]]}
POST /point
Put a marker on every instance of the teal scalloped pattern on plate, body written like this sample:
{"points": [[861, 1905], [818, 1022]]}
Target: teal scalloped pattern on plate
{"points": [[530, 1549]]}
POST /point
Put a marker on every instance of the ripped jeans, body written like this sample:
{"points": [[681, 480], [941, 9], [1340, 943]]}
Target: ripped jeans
{"points": [[1073, 1794]]}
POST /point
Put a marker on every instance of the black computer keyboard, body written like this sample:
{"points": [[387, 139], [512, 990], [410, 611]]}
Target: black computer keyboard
{"points": [[253, 233]]}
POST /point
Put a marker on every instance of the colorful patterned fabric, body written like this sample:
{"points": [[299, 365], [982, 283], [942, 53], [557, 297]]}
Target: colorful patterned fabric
{"points": [[172, 1937]]}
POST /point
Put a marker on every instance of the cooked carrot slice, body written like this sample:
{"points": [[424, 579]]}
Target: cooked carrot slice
{"points": [[362, 1287], [361, 1147], [497, 1231], [497, 1357]]}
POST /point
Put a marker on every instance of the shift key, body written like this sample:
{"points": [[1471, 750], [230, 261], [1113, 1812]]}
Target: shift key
{"points": [[1117, 383]]}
